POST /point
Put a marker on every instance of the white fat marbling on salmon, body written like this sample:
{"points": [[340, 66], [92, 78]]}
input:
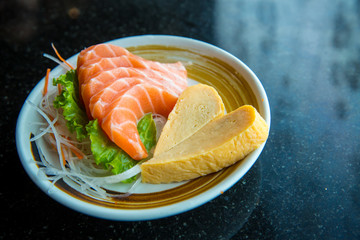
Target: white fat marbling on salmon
{"points": [[162, 97], [120, 127], [148, 97], [110, 49], [119, 109], [169, 81], [136, 100]]}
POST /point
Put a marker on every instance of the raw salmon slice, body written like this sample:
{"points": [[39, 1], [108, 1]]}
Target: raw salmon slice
{"points": [[102, 101], [105, 78], [87, 71], [121, 122], [107, 56], [118, 88], [93, 53], [102, 64]]}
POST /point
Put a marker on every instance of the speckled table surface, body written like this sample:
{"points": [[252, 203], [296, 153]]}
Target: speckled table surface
{"points": [[306, 183]]}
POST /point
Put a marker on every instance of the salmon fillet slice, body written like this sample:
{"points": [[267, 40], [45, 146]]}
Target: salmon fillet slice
{"points": [[91, 62], [120, 124], [86, 72], [112, 81], [95, 52], [96, 84], [102, 101], [103, 79]]}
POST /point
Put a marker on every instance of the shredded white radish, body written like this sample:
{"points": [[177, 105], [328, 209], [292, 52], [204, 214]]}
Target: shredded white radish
{"points": [[56, 135], [81, 174], [57, 61], [160, 121], [131, 189], [43, 132]]}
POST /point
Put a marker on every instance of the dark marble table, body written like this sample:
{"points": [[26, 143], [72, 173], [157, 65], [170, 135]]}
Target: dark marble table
{"points": [[305, 185]]}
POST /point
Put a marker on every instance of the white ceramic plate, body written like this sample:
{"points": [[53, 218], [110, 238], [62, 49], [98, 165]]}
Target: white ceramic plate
{"points": [[205, 63]]}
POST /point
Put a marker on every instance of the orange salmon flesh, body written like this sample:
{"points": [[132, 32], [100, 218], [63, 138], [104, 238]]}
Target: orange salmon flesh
{"points": [[118, 88]]}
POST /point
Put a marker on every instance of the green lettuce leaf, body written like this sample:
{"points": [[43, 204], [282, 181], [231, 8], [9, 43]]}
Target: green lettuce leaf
{"points": [[147, 131], [68, 100], [105, 152], [109, 155]]}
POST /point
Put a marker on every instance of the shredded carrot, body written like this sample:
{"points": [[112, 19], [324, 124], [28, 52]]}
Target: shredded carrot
{"points": [[55, 124], [62, 59], [46, 82], [63, 156], [51, 119], [78, 155], [59, 88], [62, 152], [75, 152]]}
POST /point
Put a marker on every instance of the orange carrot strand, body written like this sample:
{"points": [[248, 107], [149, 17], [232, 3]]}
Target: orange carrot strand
{"points": [[75, 151], [78, 155], [62, 59], [59, 88], [63, 156], [46, 82]]}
